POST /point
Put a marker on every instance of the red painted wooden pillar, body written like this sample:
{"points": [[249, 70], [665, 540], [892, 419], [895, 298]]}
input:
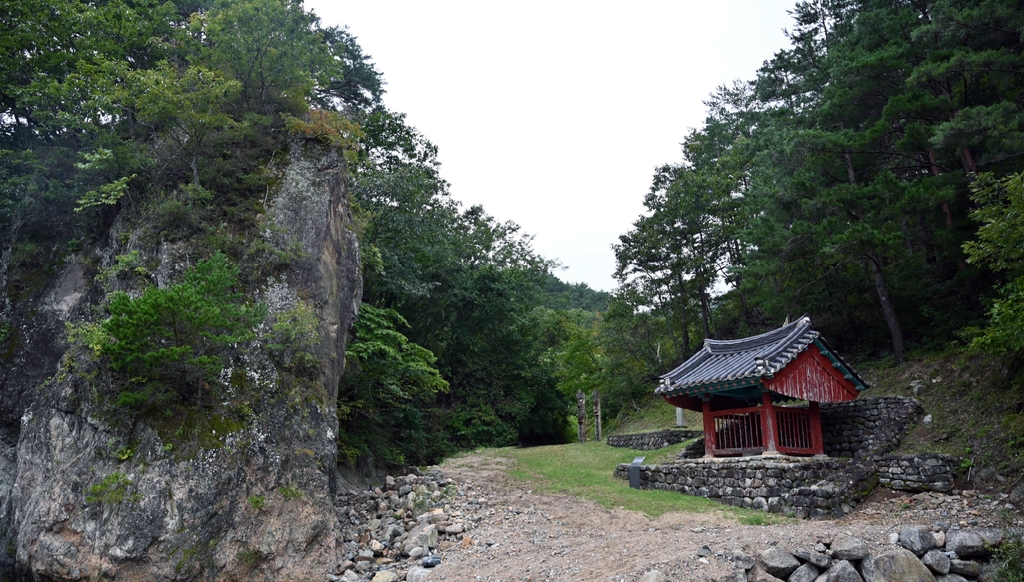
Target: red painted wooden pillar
{"points": [[709, 428], [817, 444], [768, 422]]}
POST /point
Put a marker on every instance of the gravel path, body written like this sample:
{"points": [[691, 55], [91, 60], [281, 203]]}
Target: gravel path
{"points": [[517, 535]]}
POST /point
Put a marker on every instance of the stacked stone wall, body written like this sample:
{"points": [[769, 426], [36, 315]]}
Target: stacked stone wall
{"points": [[807, 488], [927, 472], [650, 441], [866, 426]]}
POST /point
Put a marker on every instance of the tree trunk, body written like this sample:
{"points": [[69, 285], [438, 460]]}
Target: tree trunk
{"points": [[581, 416], [895, 331]]}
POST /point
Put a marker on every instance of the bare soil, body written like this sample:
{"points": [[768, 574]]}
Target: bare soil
{"points": [[514, 534]]}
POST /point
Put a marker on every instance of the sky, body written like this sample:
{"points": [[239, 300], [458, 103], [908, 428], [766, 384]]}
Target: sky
{"points": [[555, 114]]}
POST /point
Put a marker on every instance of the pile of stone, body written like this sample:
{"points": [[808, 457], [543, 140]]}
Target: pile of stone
{"points": [[391, 531], [920, 554]]}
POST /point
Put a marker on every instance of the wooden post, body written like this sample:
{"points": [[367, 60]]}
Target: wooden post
{"points": [[817, 445], [597, 414], [768, 423], [709, 428], [581, 415]]}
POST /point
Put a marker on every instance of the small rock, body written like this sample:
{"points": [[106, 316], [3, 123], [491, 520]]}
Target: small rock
{"points": [[758, 575], [350, 576], [414, 552], [417, 574], [818, 559], [430, 561], [806, 573], [734, 576], [927, 419], [385, 576], [454, 529], [843, 571], [702, 552], [936, 561], [742, 560], [940, 538], [653, 576], [894, 538], [917, 540], [777, 562], [968, 568], [846, 547]]}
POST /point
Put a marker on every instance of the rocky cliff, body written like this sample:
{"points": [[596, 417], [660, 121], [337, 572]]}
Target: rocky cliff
{"points": [[87, 493]]}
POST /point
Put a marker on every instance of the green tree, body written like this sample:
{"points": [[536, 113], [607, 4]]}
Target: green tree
{"points": [[1000, 246], [171, 341]]}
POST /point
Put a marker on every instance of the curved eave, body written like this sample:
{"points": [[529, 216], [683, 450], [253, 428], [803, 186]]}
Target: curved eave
{"points": [[839, 364]]}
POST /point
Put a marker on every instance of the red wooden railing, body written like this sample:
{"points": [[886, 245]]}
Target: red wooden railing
{"points": [[737, 431], [793, 431], [740, 431]]}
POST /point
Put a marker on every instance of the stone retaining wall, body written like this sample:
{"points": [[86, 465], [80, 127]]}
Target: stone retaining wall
{"points": [[650, 441], [776, 484], [928, 472], [805, 487], [866, 426]]}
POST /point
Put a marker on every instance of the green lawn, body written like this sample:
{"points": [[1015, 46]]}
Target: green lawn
{"points": [[585, 470]]}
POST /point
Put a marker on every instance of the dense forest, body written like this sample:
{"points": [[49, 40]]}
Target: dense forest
{"points": [[868, 176]]}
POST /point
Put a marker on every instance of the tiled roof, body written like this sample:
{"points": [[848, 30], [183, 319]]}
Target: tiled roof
{"points": [[750, 358]]}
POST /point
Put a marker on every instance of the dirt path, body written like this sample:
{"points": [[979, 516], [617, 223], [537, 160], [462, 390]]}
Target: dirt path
{"points": [[520, 535]]}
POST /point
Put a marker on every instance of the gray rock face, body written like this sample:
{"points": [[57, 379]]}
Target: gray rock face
{"points": [[777, 562], [805, 573], [896, 566], [950, 578], [966, 568], [916, 539], [843, 571], [846, 547], [264, 490], [936, 561], [975, 543]]}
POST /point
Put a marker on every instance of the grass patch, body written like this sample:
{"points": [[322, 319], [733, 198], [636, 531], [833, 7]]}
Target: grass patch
{"points": [[585, 470], [654, 414]]}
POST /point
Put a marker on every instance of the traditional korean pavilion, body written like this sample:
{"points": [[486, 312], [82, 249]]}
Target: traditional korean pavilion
{"points": [[740, 386]]}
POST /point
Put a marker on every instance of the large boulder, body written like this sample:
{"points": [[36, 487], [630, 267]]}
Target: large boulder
{"points": [[899, 565], [805, 573]]}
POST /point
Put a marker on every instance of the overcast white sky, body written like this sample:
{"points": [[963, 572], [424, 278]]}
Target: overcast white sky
{"points": [[554, 114]]}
